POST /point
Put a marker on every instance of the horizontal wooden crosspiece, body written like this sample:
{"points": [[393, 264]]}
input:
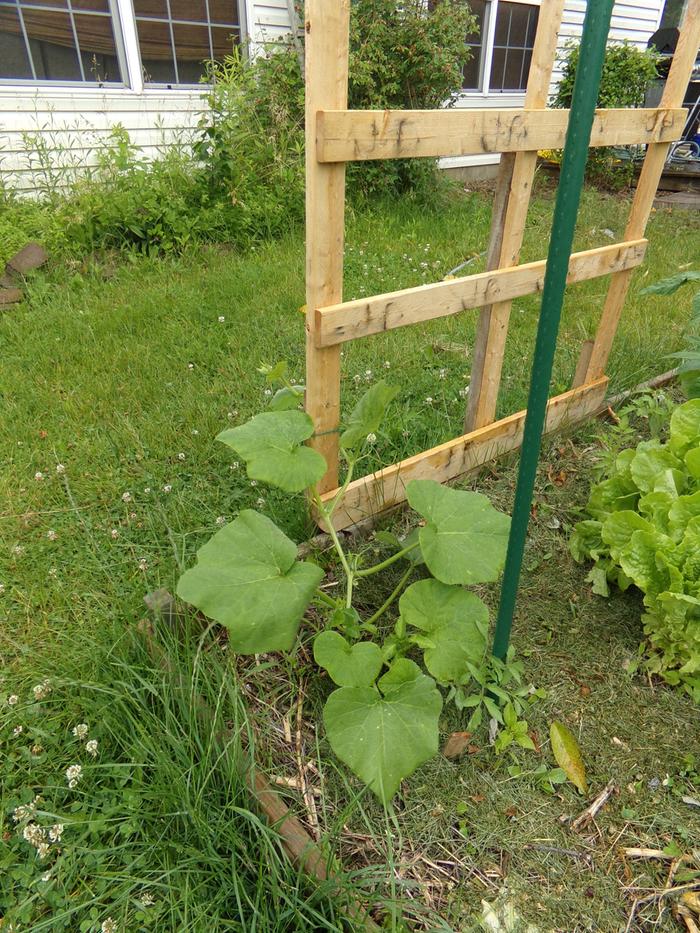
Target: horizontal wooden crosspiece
{"points": [[352, 319], [357, 135]]}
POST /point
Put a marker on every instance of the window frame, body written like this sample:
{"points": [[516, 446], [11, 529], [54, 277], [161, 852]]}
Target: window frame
{"points": [[128, 54], [488, 43]]}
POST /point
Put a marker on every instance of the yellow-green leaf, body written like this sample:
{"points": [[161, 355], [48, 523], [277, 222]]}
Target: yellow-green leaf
{"points": [[568, 755]]}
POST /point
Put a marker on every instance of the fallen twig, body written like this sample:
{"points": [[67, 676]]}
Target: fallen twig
{"points": [[590, 813], [557, 850]]}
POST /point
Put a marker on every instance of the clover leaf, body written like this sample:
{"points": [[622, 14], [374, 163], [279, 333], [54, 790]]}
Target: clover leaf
{"points": [[248, 579], [384, 734], [348, 665], [272, 444], [367, 415], [464, 539], [454, 623]]}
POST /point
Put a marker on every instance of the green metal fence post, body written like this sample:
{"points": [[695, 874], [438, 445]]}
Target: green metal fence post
{"points": [[593, 41]]}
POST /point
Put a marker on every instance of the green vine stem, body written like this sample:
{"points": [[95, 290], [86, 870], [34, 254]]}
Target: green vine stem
{"points": [[388, 562], [391, 598]]}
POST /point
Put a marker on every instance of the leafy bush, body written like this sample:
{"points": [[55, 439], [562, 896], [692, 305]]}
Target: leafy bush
{"points": [[382, 720], [644, 530], [627, 73]]}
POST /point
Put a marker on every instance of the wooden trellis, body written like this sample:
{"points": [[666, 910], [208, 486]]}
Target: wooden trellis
{"points": [[336, 135]]}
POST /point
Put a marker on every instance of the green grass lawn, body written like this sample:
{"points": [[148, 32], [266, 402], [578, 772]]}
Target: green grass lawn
{"points": [[115, 380]]}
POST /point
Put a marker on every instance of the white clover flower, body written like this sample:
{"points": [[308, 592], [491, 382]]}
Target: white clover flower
{"points": [[267, 393], [23, 811], [51, 534], [12, 700], [53, 572], [464, 392], [43, 849], [190, 365], [38, 476], [56, 832], [18, 730], [357, 378], [387, 364], [91, 747], [126, 497], [147, 899], [60, 468], [18, 550], [442, 373], [167, 488], [372, 438], [221, 319], [234, 465], [109, 926], [147, 489], [233, 414], [46, 876], [429, 400], [143, 564], [41, 690], [2, 588], [181, 456], [114, 533], [81, 730], [221, 520], [253, 482], [37, 750], [34, 834], [260, 502], [73, 775], [195, 432]]}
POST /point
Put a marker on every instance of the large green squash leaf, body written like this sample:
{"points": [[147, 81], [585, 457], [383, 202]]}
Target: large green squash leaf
{"points": [[367, 415], [384, 734], [465, 538], [248, 579], [272, 444], [567, 755], [685, 427], [348, 665], [454, 623]]}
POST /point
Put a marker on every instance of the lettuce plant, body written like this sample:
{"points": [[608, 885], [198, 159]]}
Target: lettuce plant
{"points": [[382, 718], [644, 530]]}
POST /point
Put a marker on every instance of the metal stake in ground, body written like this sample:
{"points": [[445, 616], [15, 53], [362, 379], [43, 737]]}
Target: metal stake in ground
{"points": [[595, 32]]}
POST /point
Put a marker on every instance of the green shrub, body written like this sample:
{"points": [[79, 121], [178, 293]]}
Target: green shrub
{"points": [[627, 73], [644, 530]]}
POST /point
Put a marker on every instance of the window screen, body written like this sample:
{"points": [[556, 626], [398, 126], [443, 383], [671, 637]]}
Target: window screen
{"points": [[516, 25], [177, 36], [58, 40]]}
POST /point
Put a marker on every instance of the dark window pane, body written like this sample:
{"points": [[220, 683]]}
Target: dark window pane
{"points": [[191, 48], [98, 6], [224, 11], [532, 26], [14, 61], [472, 70], [503, 23], [223, 39], [97, 48], [498, 64], [518, 23], [478, 9], [151, 8], [56, 4], [156, 52], [52, 45], [189, 9]]}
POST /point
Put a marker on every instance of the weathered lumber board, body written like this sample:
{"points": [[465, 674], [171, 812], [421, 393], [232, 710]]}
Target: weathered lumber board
{"points": [[357, 135], [387, 488], [352, 319]]}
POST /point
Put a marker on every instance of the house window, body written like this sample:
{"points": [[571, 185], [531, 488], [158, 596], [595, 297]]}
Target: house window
{"points": [[58, 40], [176, 37], [502, 47]]}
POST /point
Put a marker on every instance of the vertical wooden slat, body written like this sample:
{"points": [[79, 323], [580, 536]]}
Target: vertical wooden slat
{"points": [[508, 226], [327, 24], [649, 178]]}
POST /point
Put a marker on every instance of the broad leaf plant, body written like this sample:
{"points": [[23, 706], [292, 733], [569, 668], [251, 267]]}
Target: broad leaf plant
{"points": [[382, 718]]}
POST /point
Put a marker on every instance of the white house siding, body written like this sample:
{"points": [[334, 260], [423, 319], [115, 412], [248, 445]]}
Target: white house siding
{"points": [[73, 122]]}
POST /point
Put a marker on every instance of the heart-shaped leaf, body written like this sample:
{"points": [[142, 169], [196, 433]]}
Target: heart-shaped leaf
{"points": [[287, 398], [384, 734], [464, 539], [348, 665], [272, 444], [248, 579], [567, 754], [367, 415], [455, 621]]}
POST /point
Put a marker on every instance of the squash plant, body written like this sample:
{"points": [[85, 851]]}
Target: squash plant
{"points": [[382, 718]]}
